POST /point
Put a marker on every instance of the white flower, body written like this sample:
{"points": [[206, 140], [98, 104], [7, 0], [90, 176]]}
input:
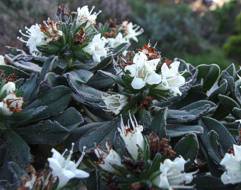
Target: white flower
{"points": [[35, 37], [232, 164], [131, 31], [118, 40], [8, 88], [64, 168], [11, 104], [132, 136], [172, 80], [85, 15], [172, 174], [2, 61], [143, 71], [115, 102], [97, 48], [108, 159]]}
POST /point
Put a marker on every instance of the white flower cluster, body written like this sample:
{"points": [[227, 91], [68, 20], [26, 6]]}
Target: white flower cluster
{"points": [[131, 32], [64, 168], [97, 48], [232, 164], [2, 61], [11, 103], [171, 173], [143, 72], [108, 159], [84, 15], [132, 136], [34, 38], [115, 103]]}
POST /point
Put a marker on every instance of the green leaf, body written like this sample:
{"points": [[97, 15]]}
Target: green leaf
{"points": [[57, 100], [101, 134], [191, 112], [211, 183], [17, 149], [81, 76], [208, 74], [180, 130], [87, 95], [214, 92], [44, 132], [226, 138], [225, 107], [70, 119], [158, 123], [188, 147]]}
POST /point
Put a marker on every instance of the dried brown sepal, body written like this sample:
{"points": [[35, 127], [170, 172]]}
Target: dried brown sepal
{"points": [[80, 37], [150, 52], [168, 61], [145, 104], [14, 105], [11, 78], [134, 166], [112, 23], [160, 145], [127, 59], [42, 180], [50, 29]]}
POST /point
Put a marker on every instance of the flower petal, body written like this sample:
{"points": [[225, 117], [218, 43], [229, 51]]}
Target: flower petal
{"points": [[154, 78], [138, 83]]}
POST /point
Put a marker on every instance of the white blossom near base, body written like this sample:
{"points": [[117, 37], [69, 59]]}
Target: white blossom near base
{"points": [[34, 38], [8, 88], [108, 159], [115, 103], [64, 168], [172, 175], [172, 80], [97, 48], [132, 136], [232, 165], [2, 61], [84, 15], [131, 31], [11, 104], [143, 71], [117, 41]]}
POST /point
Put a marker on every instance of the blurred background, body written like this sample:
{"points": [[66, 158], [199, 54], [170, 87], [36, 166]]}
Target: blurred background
{"points": [[198, 31]]}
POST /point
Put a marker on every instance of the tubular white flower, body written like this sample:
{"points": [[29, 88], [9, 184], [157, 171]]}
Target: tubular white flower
{"points": [[232, 164], [172, 174], [2, 61], [108, 159], [97, 48], [115, 102], [171, 78], [143, 71], [34, 38], [11, 104], [131, 31], [8, 88], [117, 41], [64, 168], [132, 136], [84, 15]]}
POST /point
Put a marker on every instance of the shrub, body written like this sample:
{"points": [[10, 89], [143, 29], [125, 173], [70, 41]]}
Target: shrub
{"points": [[174, 28], [232, 47]]}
